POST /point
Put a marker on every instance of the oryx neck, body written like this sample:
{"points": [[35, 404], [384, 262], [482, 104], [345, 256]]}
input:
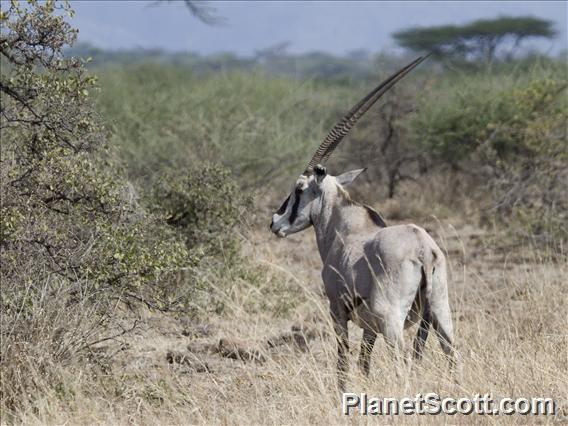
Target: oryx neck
{"points": [[339, 218]]}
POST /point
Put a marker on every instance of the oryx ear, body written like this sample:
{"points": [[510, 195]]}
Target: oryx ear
{"points": [[320, 173], [348, 177]]}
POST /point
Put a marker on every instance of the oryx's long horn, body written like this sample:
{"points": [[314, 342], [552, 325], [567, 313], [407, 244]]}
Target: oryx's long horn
{"points": [[342, 128]]}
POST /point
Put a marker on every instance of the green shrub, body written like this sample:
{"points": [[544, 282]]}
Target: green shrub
{"points": [[203, 204], [496, 113], [260, 127], [64, 204], [508, 132], [73, 244]]}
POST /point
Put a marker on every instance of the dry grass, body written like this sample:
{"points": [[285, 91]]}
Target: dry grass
{"points": [[510, 311]]}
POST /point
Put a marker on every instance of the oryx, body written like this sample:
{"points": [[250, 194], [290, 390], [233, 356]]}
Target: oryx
{"points": [[383, 278]]}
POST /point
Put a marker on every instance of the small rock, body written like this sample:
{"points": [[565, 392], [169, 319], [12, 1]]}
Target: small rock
{"points": [[234, 349], [187, 359], [298, 337], [201, 347], [198, 330]]}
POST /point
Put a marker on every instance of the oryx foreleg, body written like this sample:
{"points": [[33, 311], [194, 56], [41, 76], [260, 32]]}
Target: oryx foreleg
{"points": [[367, 343], [339, 317]]}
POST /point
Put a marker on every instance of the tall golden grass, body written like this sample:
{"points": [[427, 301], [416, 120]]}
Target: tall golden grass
{"points": [[509, 306]]}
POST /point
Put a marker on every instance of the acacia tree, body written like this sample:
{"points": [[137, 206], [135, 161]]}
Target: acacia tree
{"points": [[478, 40]]}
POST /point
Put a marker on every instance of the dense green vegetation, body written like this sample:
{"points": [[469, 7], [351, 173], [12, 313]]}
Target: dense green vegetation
{"points": [[503, 127], [507, 132], [165, 116], [79, 242]]}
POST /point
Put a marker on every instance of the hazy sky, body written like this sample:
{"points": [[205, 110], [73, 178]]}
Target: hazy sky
{"points": [[331, 26]]}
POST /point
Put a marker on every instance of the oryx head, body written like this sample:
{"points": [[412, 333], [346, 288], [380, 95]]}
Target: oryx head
{"points": [[297, 212]]}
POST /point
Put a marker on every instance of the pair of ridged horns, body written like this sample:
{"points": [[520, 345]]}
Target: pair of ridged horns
{"points": [[342, 128]]}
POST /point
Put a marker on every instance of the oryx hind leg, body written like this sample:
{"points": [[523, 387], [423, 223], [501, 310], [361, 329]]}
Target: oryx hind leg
{"points": [[443, 327], [423, 330], [442, 318], [422, 307], [393, 332]]}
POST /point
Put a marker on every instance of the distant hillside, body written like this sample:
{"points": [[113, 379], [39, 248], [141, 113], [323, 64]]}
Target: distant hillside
{"points": [[355, 66], [317, 65]]}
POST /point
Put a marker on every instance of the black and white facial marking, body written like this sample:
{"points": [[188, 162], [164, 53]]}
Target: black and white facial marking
{"points": [[294, 214], [284, 206], [304, 201]]}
